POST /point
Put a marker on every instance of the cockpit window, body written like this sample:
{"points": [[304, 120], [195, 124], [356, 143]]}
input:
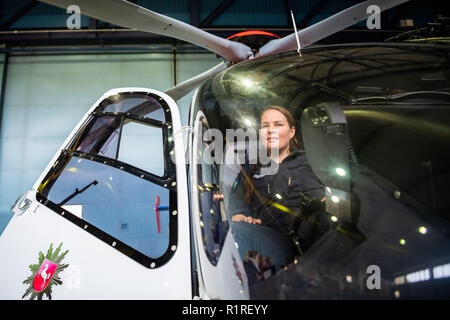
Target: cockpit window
{"points": [[116, 178], [136, 133], [119, 203], [380, 109], [138, 104], [141, 145], [372, 121], [213, 223], [101, 137]]}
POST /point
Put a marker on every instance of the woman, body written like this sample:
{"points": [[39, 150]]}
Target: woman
{"points": [[282, 199]]}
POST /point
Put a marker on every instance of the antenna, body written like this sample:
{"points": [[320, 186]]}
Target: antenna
{"points": [[296, 35]]}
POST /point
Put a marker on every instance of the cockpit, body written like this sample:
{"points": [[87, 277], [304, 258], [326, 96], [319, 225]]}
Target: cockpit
{"points": [[373, 123], [117, 179]]}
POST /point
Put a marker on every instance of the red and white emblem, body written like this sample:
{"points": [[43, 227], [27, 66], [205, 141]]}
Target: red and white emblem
{"points": [[44, 275]]}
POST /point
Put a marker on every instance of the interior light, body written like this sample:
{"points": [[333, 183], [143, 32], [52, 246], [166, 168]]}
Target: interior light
{"points": [[334, 219], [335, 199], [397, 293], [341, 172], [423, 230]]}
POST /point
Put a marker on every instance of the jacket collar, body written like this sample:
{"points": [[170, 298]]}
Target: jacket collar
{"points": [[294, 154]]}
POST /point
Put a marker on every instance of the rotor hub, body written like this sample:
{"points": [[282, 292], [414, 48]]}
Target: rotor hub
{"points": [[254, 39]]}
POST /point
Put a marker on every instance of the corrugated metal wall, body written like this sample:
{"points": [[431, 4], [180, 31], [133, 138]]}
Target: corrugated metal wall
{"points": [[4, 218]]}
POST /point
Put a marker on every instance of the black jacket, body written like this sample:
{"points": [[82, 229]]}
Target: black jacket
{"points": [[286, 197]]}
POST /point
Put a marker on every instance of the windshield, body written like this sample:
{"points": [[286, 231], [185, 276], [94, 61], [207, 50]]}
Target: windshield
{"points": [[365, 183], [395, 100], [115, 177]]}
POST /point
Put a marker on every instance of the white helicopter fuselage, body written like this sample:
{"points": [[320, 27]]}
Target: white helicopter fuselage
{"points": [[96, 269]]}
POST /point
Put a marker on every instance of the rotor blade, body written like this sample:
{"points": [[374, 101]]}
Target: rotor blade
{"points": [[327, 27], [187, 86], [129, 15]]}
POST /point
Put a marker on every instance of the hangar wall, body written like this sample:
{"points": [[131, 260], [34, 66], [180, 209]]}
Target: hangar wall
{"points": [[46, 95]]}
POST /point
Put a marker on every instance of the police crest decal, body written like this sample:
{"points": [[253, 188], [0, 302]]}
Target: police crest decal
{"points": [[45, 273]]}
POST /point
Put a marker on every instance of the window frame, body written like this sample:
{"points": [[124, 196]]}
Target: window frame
{"points": [[209, 188], [167, 181]]}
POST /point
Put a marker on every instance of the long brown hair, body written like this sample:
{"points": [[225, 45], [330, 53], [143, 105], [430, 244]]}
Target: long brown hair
{"points": [[293, 144]]}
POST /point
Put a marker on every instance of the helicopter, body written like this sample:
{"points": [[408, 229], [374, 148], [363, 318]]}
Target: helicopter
{"points": [[136, 206]]}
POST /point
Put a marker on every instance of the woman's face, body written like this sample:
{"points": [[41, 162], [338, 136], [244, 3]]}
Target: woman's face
{"points": [[275, 130]]}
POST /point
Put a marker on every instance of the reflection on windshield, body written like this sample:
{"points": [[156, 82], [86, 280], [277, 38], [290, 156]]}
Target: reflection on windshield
{"points": [[119, 203], [102, 137], [371, 189]]}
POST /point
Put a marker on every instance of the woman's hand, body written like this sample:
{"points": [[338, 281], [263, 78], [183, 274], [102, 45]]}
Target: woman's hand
{"points": [[241, 218], [252, 220], [238, 217]]}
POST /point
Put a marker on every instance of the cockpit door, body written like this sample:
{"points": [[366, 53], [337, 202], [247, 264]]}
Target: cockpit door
{"points": [[220, 270]]}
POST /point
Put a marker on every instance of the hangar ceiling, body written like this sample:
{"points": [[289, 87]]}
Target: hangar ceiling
{"points": [[31, 23]]}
